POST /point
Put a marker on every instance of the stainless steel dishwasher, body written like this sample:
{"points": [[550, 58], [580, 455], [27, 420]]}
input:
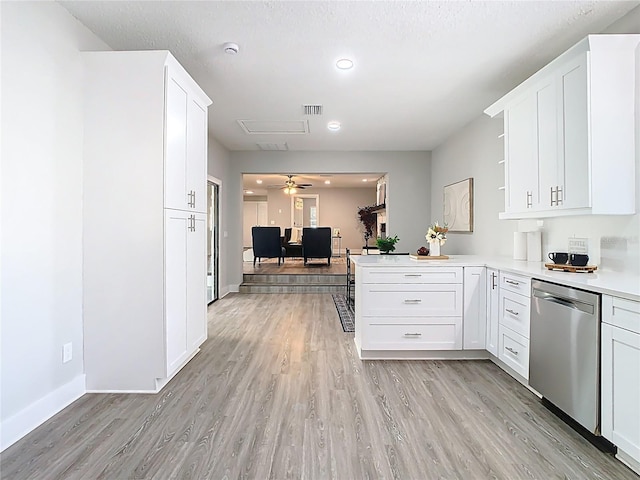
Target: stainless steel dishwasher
{"points": [[564, 364]]}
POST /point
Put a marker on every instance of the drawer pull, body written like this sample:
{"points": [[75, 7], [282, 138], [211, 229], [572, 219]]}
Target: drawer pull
{"points": [[512, 312], [412, 275], [511, 350], [511, 282], [412, 300], [412, 334]]}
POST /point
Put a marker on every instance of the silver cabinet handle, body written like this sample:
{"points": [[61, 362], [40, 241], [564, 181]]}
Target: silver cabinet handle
{"points": [[191, 198], [559, 198], [553, 202], [511, 350], [412, 275], [412, 334], [511, 282], [192, 223], [493, 281], [529, 199], [512, 312], [412, 300]]}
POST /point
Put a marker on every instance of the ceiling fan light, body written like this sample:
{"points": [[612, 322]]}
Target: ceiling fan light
{"points": [[292, 190], [286, 190]]}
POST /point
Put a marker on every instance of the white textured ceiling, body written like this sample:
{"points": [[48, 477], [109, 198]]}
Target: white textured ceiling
{"points": [[422, 69]]}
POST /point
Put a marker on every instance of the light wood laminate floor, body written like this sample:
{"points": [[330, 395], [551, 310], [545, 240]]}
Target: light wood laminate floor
{"points": [[278, 392]]}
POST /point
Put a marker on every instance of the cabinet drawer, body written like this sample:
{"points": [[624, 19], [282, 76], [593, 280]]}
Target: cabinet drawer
{"points": [[515, 312], [621, 313], [445, 336], [515, 283], [514, 351], [404, 275], [412, 300]]}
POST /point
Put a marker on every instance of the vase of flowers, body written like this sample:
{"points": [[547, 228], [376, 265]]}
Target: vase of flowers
{"points": [[436, 236]]}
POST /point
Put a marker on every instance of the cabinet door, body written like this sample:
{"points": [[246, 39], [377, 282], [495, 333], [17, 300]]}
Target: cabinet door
{"points": [[621, 388], [175, 274], [521, 160], [574, 134], [549, 170], [493, 310], [196, 282], [474, 318], [176, 139], [196, 166]]}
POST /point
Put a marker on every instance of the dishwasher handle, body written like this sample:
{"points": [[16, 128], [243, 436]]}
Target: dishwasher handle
{"points": [[565, 302]]}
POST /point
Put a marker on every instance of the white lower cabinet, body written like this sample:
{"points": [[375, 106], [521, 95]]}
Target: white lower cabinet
{"points": [[475, 300], [409, 308], [185, 280], [620, 377], [513, 350], [514, 300], [493, 311]]}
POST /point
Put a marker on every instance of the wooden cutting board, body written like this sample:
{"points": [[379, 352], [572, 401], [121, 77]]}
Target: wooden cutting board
{"points": [[571, 268], [428, 257]]}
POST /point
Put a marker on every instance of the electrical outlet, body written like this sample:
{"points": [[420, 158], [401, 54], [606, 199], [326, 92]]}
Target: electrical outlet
{"points": [[67, 352]]}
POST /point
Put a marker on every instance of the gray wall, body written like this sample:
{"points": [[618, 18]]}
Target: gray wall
{"points": [[41, 185], [408, 189], [338, 209], [218, 167], [474, 152]]}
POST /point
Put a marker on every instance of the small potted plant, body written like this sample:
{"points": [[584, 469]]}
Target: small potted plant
{"points": [[387, 244]]}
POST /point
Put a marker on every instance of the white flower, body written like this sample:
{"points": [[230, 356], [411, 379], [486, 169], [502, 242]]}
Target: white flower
{"points": [[436, 233]]}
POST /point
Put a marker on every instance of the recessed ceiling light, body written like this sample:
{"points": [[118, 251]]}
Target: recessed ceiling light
{"points": [[334, 126], [365, 180], [259, 182], [344, 64], [327, 182], [249, 192]]}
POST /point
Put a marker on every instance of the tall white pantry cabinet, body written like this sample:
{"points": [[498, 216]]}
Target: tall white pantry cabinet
{"points": [[144, 218]]}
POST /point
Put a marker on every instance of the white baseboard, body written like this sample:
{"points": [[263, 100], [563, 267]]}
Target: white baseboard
{"points": [[14, 428]]}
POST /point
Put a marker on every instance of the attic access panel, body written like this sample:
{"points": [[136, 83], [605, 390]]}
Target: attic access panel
{"points": [[274, 127]]}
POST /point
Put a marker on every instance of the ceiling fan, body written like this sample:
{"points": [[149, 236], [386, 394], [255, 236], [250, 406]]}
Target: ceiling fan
{"points": [[291, 187]]}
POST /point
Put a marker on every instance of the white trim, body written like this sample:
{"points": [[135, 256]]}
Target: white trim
{"points": [[225, 291], [31, 417]]}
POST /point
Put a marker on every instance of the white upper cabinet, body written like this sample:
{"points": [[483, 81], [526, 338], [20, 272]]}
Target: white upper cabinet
{"points": [[186, 143], [569, 133]]}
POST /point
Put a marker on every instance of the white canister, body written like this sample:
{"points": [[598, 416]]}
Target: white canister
{"points": [[534, 246], [519, 245]]}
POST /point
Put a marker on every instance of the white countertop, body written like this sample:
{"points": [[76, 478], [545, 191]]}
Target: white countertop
{"points": [[601, 281]]}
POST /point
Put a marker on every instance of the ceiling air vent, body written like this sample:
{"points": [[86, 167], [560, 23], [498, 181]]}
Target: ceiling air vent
{"points": [[312, 109], [273, 147]]}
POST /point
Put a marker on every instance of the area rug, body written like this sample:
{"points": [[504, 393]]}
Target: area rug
{"points": [[344, 312]]}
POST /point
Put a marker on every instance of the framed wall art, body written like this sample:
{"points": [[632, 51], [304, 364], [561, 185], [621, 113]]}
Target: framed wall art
{"points": [[458, 206]]}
